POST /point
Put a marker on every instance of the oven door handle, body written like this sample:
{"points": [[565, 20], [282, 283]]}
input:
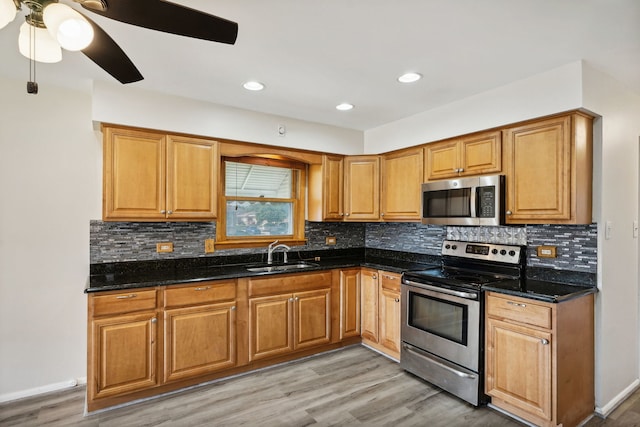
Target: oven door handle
{"points": [[465, 295], [415, 351]]}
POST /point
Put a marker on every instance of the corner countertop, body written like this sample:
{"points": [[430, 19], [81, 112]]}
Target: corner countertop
{"points": [[120, 279]]}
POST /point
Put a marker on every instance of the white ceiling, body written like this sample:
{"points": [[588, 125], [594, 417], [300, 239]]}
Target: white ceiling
{"points": [[313, 55]]}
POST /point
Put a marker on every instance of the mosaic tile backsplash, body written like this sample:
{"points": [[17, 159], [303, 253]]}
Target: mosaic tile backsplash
{"points": [[576, 245]]}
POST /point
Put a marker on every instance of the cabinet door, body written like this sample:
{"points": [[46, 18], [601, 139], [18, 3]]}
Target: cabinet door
{"points": [[192, 177], [401, 175], [199, 340], [270, 326], [123, 352], [518, 367], [349, 303], [442, 160], [332, 187], [133, 175], [312, 318], [481, 154], [539, 171], [362, 188], [390, 320], [369, 304]]}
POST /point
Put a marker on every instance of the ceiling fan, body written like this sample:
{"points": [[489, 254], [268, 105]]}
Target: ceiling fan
{"points": [[50, 24]]}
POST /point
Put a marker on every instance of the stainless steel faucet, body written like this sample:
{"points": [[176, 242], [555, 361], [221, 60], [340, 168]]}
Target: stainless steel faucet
{"points": [[273, 246]]}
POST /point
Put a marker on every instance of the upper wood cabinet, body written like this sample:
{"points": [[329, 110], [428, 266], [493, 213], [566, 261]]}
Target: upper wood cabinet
{"points": [[401, 174], [326, 189], [476, 154], [362, 188], [150, 176], [549, 171]]}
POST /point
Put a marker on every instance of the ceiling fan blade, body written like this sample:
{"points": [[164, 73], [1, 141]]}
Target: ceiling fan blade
{"points": [[170, 18], [106, 53]]}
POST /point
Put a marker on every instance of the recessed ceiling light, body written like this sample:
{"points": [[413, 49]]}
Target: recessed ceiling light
{"points": [[253, 85], [409, 77], [344, 106]]}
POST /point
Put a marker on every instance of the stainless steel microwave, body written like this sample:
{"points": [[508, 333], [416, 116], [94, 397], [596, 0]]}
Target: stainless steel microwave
{"points": [[475, 200]]}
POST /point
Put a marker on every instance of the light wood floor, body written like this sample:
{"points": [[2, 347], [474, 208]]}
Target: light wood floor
{"points": [[349, 387]]}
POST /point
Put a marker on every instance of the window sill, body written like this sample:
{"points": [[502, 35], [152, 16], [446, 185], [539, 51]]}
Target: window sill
{"points": [[258, 243]]}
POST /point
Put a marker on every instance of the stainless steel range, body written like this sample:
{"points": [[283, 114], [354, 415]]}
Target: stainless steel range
{"points": [[443, 315]]}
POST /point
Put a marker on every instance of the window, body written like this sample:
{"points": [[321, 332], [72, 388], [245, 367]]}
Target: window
{"points": [[263, 200]]}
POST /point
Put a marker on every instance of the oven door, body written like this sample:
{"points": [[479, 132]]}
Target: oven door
{"points": [[443, 322]]}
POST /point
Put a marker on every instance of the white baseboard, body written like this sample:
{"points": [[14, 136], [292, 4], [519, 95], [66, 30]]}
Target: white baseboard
{"points": [[9, 397], [604, 411]]}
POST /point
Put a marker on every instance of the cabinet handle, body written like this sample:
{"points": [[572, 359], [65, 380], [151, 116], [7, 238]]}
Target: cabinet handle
{"points": [[347, 214], [233, 307], [397, 300], [296, 299], [374, 277], [382, 214], [544, 341], [290, 299], [154, 320], [516, 304], [204, 288], [341, 213], [508, 212], [170, 212], [163, 212], [386, 276], [126, 296]]}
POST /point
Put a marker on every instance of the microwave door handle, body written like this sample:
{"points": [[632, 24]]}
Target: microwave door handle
{"points": [[474, 202]]}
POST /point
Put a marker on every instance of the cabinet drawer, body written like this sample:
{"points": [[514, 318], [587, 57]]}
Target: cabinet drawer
{"points": [[202, 293], [519, 310], [390, 281], [280, 284], [123, 302]]}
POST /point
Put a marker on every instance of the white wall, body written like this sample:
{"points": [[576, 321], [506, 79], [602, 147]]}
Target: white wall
{"points": [[129, 106], [616, 156], [50, 176]]}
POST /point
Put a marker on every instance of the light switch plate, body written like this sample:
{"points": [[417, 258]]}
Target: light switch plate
{"points": [[608, 227], [547, 252], [164, 247]]}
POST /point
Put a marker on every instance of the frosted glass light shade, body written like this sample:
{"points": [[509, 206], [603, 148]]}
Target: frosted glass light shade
{"points": [[45, 47], [68, 27], [7, 12]]}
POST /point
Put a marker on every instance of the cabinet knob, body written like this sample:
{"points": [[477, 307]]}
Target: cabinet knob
{"points": [[382, 214], [296, 299], [544, 341], [163, 211], [170, 212], [290, 299], [374, 277], [347, 214], [233, 307], [341, 213], [397, 300], [508, 212], [154, 320]]}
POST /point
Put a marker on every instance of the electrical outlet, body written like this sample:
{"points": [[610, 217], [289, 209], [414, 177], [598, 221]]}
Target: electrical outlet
{"points": [[547, 252], [330, 240], [209, 246], [164, 247]]}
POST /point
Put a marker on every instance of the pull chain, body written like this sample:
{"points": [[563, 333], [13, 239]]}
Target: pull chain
{"points": [[32, 86]]}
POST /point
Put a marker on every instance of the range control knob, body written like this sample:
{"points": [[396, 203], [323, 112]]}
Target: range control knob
{"points": [[503, 252], [512, 253], [494, 251], [454, 247], [447, 246]]}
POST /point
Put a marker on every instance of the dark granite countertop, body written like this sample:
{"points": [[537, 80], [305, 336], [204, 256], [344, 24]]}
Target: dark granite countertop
{"points": [[540, 290], [544, 285], [120, 276]]}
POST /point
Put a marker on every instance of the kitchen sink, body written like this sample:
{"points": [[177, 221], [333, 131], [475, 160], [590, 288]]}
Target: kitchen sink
{"points": [[281, 267]]}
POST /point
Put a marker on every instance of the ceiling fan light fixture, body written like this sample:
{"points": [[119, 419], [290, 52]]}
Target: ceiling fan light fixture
{"points": [[409, 77], [7, 12], [67, 26], [253, 85], [41, 47]]}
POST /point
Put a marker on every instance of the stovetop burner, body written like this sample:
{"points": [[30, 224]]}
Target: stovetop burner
{"points": [[469, 265]]}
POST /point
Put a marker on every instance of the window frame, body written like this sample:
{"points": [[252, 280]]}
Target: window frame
{"points": [[298, 190]]}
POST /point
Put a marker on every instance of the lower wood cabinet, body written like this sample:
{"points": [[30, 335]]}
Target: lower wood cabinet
{"points": [[290, 321], [380, 304], [349, 303], [540, 358]]}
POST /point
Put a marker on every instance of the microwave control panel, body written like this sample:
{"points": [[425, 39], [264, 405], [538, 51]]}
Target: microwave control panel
{"points": [[486, 202]]}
